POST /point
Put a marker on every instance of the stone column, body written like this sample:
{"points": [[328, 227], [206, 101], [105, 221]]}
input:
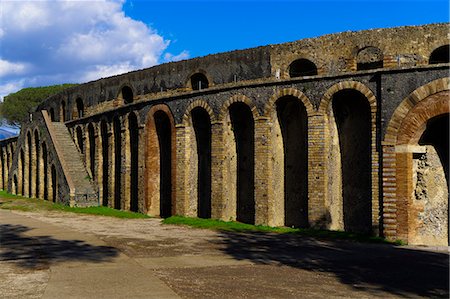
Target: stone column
{"points": [[126, 166], [263, 189], [217, 172], [99, 163]]}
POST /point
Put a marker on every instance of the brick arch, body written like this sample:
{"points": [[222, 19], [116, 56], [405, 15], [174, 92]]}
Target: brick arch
{"points": [[152, 161], [197, 103], [235, 99], [125, 84], [406, 106], [355, 85], [199, 71], [270, 105]]}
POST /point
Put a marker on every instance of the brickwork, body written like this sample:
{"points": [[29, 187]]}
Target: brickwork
{"points": [[402, 93]]}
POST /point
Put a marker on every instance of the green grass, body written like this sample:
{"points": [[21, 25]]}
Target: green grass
{"points": [[15, 202], [234, 226]]}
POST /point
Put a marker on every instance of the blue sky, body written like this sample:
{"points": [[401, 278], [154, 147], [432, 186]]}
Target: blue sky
{"points": [[53, 42]]}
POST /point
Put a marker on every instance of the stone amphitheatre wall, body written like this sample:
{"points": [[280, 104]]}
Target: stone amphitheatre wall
{"points": [[297, 134]]}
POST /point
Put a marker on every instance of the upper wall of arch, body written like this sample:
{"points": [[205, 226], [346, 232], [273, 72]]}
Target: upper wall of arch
{"points": [[332, 54]]}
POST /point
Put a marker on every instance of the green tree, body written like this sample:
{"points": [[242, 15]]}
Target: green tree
{"points": [[16, 106]]}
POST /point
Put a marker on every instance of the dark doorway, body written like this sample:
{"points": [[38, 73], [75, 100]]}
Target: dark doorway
{"points": [[38, 163], [80, 107], [45, 162], [16, 188], [80, 139], [22, 170], [30, 163], [202, 127], [294, 129], [436, 134], [127, 94], [199, 81], [52, 114], [369, 58], [440, 55], [164, 132], [243, 128], [353, 120], [302, 67], [117, 161], [54, 183], [92, 150], [134, 154], [63, 111], [105, 165]]}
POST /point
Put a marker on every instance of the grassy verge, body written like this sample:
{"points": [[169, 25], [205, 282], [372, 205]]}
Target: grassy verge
{"points": [[15, 202], [243, 227]]}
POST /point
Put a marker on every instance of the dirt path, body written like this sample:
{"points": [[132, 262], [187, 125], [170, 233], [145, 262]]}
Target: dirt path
{"points": [[198, 263]]}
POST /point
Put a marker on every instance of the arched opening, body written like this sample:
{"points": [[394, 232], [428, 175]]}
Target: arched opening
{"points": [[80, 107], [45, 164], [22, 172], [127, 94], [52, 114], [440, 55], [38, 160], [293, 122], [201, 123], [30, 163], [63, 111], [92, 151], [15, 186], [243, 128], [352, 131], [431, 183], [164, 131], [134, 154], [3, 167], [369, 58], [302, 67], [105, 165], [199, 81], [80, 142], [117, 128], [54, 183]]}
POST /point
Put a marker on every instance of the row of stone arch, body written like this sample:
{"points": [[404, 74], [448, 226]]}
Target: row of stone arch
{"points": [[219, 167], [6, 160], [35, 176]]}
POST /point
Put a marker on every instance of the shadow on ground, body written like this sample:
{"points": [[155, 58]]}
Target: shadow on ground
{"points": [[368, 267], [39, 252]]}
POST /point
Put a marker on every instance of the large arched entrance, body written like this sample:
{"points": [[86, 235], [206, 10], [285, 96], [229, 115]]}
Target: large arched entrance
{"points": [[419, 148], [349, 161], [160, 162], [293, 122]]}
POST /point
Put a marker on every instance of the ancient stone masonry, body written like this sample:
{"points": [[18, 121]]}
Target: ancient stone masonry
{"points": [[346, 131]]}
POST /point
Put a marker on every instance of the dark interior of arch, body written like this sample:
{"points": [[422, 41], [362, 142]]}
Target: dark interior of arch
{"points": [[134, 153], [30, 170], [105, 155], [16, 188], [436, 134], [22, 166], [294, 129], [369, 58], [38, 157], [243, 128], [352, 114], [80, 139], [202, 127], [52, 114], [164, 132], [54, 187], [92, 150], [199, 81], [3, 169], [117, 162], [440, 55], [45, 163], [302, 67], [63, 111], [127, 94], [80, 107]]}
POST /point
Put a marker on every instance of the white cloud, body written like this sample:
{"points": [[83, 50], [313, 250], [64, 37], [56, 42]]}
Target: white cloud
{"points": [[53, 42], [6, 89]]}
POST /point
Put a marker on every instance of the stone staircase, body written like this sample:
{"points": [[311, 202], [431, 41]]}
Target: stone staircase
{"points": [[85, 192]]}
